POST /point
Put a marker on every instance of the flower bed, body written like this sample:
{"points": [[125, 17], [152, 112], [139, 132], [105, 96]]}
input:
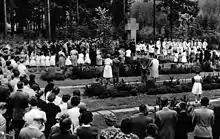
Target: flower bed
{"points": [[128, 70], [169, 87]]}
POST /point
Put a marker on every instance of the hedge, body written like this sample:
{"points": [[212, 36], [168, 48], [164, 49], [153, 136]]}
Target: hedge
{"points": [[128, 70], [124, 90]]}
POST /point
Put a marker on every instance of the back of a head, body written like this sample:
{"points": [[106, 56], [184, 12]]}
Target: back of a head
{"points": [[35, 87], [205, 101], [164, 102], [65, 125], [20, 85], [33, 101], [25, 81], [75, 100], [51, 97], [86, 117], [76, 93], [152, 129], [32, 77], [126, 126], [16, 73], [142, 108], [56, 90], [65, 98]]}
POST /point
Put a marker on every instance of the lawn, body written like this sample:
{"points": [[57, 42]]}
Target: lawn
{"points": [[94, 104]]}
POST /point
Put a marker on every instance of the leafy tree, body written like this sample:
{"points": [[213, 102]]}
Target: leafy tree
{"points": [[175, 8]]}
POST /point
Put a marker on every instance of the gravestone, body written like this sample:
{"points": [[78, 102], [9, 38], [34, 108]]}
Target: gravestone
{"points": [[132, 26]]}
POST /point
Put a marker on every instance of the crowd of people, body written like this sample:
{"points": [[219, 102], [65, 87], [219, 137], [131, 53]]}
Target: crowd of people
{"points": [[32, 113]]}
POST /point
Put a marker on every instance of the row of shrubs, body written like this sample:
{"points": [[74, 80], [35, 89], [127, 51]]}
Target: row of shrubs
{"points": [[125, 90], [125, 71]]}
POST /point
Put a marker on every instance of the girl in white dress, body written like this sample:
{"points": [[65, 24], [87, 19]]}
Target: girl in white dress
{"points": [[81, 60], [47, 61], [184, 57], [107, 74], [87, 59], [99, 60], [42, 60], [37, 60], [68, 62], [52, 60], [27, 62], [33, 62], [197, 86]]}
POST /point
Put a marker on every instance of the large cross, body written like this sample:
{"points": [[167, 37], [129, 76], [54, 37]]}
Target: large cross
{"points": [[132, 26]]}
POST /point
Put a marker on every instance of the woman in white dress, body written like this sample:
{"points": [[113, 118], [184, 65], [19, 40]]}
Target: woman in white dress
{"points": [[27, 62], [47, 61], [99, 60], [68, 62], [42, 60], [197, 87], [37, 60], [87, 59], [33, 61], [107, 74], [184, 57], [52, 60], [62, 59], [81, 60]]}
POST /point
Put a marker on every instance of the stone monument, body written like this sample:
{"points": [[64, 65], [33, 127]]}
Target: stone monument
{"points": [[132, 26]]}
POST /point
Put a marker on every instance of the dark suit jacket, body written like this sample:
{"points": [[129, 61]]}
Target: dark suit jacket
{"points": [[184, 125], [51, 111], [166, 120], [87, 132], [4, 93], [216, 126], [139, 124]]}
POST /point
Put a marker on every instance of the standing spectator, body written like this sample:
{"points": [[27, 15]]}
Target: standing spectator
{"points": [[216, 126], [151, 131], [22, 68], [63, 105], [65, 126], [166, 120], [49, 87], [51, 111], [107, 74], [140, 121], [32, 131], [197, 86], [184, 123], [126, 130], [41, 103], [27, 88], [58, 99], [2, 119], [19, 104], [55, 129], [28, 117], [15, 79], [203, 119], [87, 131], [111, 131], [115, 70], [32, 80], [74, 111], [78, 94]]}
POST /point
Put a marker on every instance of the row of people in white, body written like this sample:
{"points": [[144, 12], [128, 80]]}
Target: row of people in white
{"points": [[171, 47]]}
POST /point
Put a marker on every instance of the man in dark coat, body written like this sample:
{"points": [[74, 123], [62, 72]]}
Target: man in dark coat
{"points": [[216, 126], [140, 121]]}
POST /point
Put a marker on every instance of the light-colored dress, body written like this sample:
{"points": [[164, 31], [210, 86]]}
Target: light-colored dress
{"points": [[42, 61], [53, 60], [27, 62], [61, 59], [108, 68], [38, 60], [33, 62], [81, 59], [197, 86], [184, 59], [47, 61], [154, 69], [68, 61], [87, 59]]}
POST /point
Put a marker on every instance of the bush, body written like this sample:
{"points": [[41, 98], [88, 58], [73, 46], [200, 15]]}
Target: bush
{"points": [[96, 89]]}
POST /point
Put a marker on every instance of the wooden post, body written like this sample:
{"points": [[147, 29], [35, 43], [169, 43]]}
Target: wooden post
{"points": [[154, 23], [48, 19], [5, 19]]}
